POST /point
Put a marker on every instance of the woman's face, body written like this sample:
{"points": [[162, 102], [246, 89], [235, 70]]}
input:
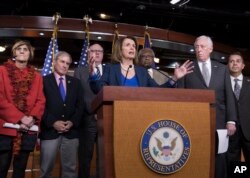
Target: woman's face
{"points": [[22, 53], [128, 49]]}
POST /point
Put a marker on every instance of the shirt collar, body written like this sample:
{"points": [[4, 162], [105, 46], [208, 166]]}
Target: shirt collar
{"points": [[240, 77], [208, 61], [57, 76]]}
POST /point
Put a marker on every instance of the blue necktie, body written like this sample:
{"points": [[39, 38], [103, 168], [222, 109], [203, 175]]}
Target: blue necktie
{"points": [[61, 88]]}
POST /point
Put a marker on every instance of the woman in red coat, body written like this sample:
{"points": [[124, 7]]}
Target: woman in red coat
{"points": [[22, 102]]}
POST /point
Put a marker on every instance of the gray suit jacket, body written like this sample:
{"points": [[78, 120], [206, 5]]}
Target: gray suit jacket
{"points": [[88, 120], [243, 108], [82, 73], [221, 84]]}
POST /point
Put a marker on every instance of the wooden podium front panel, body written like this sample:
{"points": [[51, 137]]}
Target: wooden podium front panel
{"points": [[132, 118]]}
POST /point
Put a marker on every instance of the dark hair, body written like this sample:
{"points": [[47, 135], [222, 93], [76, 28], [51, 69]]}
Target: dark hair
{"points": [[117, 53], [94, 42], [236, 53]]}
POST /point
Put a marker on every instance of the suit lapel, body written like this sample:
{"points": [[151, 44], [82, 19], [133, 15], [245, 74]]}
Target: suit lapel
{"points": [[214, 73], [198, 72], [69, 87], [53, 84], [117, 70], [139, 76], [244, 88]]}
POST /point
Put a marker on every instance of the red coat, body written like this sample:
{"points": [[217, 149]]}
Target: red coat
{"points": [[9, 112]]}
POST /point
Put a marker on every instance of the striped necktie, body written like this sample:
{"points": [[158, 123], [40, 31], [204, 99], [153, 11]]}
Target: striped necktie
{"points": [[98, 73]]}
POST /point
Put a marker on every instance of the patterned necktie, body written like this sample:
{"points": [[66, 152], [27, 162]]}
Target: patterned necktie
{"points": [[62, 89], [205, 73], [98, 73], [236, 88]]}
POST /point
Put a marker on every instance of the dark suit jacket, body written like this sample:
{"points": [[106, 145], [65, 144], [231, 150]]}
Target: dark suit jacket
{"points": [[243, 108], [112, 77], [82, 73], [220, 83], [56, 109]]}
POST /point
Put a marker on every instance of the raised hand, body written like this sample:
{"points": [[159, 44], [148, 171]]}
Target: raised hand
{"points": [[92, 64], [183, 70]]}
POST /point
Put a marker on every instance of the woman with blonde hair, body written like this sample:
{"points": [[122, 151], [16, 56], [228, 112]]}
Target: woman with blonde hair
{"points": [[21, 103]]}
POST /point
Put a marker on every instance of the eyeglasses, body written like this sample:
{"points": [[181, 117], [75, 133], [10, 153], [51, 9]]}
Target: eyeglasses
{"points": [[147, 56], [96, 51]]}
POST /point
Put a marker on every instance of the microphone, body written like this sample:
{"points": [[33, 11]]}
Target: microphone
{"points": [[130, 66], [169, 77]]}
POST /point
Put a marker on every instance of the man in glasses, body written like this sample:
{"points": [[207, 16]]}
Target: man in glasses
{"points": [[146, 58], [88, 127]]}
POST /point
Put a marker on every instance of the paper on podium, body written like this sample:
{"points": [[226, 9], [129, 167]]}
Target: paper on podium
{"points": [[17, 126], [223, 140]]}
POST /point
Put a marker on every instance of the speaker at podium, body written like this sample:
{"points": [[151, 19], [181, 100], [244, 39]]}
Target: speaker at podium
{"points": [[151, 132]]}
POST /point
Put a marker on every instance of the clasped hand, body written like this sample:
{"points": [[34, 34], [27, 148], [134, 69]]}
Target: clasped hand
{"points": [[62, 126], [26, 123]]}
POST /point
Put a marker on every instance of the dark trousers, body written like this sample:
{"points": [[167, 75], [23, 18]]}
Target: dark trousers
{"points": [[220, 170], [220, 166], [19, 163], [236, 143], [87, 140]]}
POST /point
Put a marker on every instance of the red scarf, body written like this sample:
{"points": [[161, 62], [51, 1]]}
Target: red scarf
{"points": [[21, 87]]}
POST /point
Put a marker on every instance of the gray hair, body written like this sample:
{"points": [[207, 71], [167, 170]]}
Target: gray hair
{"points": [[62, 53], [209, 40]]}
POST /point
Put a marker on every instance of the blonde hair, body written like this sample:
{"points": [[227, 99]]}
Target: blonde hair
{"points": [[21, 43], [116, 56]]}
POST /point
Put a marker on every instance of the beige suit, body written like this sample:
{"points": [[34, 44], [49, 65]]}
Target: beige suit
{"points": [[159, 77]]}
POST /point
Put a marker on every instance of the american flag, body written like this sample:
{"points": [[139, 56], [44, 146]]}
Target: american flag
{"points": [[84, 54], [147, 40], [47, 66], [147, 44]]}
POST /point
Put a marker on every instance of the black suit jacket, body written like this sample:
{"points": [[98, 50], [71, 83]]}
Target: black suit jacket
{"points": [[243, 108], [56, 109], [221, 84]]}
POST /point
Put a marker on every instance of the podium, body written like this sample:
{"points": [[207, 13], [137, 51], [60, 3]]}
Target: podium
{"points": [[125, 113]]}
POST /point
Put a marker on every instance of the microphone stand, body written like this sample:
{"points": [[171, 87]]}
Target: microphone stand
{"points": [[130, 66]]}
